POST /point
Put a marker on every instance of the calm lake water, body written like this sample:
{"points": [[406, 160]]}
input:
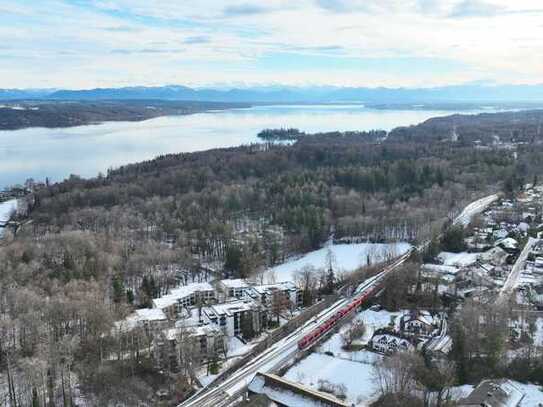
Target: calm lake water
{"points": [[87, 150]]}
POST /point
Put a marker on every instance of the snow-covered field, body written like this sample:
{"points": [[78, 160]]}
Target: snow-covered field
{"points": [[6, 210], [361, 388], [372, 320], [352, 369], [357, 377], [346, 258]]}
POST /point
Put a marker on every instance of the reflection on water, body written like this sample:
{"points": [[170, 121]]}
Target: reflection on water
{"points": [[87, 150]]}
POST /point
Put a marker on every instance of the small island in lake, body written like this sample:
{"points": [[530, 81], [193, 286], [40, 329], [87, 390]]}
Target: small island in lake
{"points": [[281, 134]]}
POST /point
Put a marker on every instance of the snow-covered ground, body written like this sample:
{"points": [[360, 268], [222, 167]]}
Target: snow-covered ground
{"points": [[357, 377], [238, 348], [6, 211], [461, 259], [372, 320], [352, 369], [346, 258]]}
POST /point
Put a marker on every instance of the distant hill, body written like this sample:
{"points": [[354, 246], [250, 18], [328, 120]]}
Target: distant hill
{"points": [[283, 94], [51, 113], [17, 94]]}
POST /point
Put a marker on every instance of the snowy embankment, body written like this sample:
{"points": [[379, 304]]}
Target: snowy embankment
{"points": [[7, 209], [345, 258], [354, 370]]}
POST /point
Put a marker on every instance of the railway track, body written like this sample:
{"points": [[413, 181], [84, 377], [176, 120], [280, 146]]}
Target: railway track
{"points": [[223, 394]]}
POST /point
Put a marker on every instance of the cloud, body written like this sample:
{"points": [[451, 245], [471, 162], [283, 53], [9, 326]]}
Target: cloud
{"points": [[357, 42], [197, 39], [123, 28], [476, 8], [480, 8], [245, 9]]}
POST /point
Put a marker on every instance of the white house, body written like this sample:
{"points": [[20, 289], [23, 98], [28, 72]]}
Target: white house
{"points": [[494, 393], [152, 319], [389, 343], [508, 244], [265, 293], [234, 288], [229, 316], [185, 296], [418, 323]]}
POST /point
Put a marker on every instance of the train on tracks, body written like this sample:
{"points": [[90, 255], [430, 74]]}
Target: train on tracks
{"points": [[366, 291], [327, 325]]}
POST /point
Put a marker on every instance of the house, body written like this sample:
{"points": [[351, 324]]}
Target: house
{"points": [[508, 244], [203, 342], [389, 343], [494, 393], [185, 296], [500, 234], [265, 293], [495, 256], [233, 288], [418, 323], [439, 345], [245, 318]]}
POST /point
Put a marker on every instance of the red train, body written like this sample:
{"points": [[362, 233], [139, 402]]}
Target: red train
{"points": [[316, 333]]}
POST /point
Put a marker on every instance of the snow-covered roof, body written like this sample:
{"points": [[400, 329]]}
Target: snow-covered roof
{"points": [[423, 316], [390, 340], [500, 233], [440, 344], [496, 255], [150, 314], [508, 243], [140, 316], [498, 393], [461, 259], [202, 330], [235, 283], [230, 308], [179, 293], [440, 268], [267, 288]]}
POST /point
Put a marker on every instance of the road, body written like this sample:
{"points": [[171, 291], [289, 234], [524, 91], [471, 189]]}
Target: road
{"points": [[220, 394], [474, 208], [513, 277]]}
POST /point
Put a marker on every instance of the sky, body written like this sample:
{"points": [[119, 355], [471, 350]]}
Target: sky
{"points": [[80, 44]]}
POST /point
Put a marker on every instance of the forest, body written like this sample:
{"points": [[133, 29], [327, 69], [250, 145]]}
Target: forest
{"points": [[95, 249], [50, 113]]}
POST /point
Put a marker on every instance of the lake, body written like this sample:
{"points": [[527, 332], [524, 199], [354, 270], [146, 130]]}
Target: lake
{"points": [[87, 150]]}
